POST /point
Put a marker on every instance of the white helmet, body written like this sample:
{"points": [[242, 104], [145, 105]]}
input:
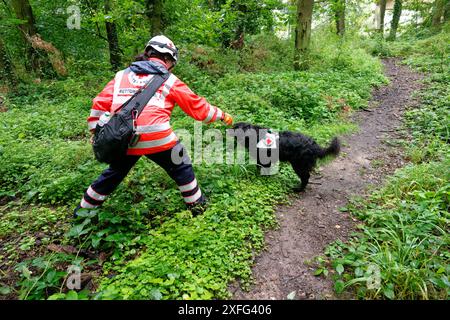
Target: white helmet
{"points": [[163, 44]]}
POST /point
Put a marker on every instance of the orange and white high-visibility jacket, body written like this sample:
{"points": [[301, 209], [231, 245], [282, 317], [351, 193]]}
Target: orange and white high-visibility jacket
{"points": [[153, 124]]}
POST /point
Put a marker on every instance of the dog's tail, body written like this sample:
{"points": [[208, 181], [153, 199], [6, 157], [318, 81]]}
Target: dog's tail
{"points": [[333, 149]]}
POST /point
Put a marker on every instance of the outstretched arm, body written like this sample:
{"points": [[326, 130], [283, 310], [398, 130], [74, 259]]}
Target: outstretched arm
{"points": [[195, 106]]}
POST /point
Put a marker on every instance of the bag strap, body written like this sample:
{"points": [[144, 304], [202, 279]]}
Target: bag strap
{"points": [[140, 99], [149, 91]]}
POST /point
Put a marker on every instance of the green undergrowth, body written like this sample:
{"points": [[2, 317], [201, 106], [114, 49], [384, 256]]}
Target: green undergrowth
{"points": [[197, 258], [402, 248], [143, 244], [403, 244]]}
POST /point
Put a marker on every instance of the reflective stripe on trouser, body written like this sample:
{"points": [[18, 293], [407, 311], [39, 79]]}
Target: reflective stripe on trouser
{"points": [[190, 191], [181, 172], [107, 182]]}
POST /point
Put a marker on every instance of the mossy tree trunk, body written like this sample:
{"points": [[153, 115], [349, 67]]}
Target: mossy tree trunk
{"points": [[395, 19], [447, 11], [438, 12], [303, 34], [115, 57], [382, 5], [340, 17], [23, 11], [38, 57]]}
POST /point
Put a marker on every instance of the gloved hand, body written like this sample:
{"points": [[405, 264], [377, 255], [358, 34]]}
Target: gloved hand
{"points": [[227, 119]]}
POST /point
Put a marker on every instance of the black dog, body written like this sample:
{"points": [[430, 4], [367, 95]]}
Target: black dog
{"points": [[299, 150]]}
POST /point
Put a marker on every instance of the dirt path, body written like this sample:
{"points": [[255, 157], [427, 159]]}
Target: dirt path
{"points": [[313, 219]]}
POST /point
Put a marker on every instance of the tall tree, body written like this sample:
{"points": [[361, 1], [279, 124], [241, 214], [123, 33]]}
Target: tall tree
{"points": [[23, 11], [155, 15], [44, 58], [303, 33], [115, 57], [382, 5], [339, 15], [447, 11], [438, 12], [395, 19]]}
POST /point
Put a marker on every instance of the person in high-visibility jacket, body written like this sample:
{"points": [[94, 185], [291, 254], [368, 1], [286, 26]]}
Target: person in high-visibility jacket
{"points": [[157, 141]]}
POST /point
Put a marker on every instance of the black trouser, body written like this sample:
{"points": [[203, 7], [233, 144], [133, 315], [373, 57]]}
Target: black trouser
{"points": [[179, 169]]}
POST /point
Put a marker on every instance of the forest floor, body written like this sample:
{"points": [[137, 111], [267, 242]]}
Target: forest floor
{"points": [[314, 219]]}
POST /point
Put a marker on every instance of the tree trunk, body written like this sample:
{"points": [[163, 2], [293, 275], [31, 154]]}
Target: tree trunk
{"points": [[438, 12], [42, 57], [113, 40], [303, 33], [23, 11], [447, 11], [382, 4], [155, 15], [395, 19], [340, 17], [6, 67]]}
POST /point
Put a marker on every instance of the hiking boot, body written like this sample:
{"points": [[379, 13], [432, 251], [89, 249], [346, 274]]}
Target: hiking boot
{"points": [[198, 207], [75, 211], [80, 213]]}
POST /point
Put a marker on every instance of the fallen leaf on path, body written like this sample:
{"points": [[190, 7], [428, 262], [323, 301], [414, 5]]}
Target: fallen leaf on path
{"points": [[291, 296], [62, 249]]}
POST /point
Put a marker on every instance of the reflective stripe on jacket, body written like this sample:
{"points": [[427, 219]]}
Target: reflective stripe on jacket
{"points": [[153, 124]]}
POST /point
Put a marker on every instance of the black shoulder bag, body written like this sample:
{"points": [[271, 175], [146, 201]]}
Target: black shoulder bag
{"points": [[111, 141]]}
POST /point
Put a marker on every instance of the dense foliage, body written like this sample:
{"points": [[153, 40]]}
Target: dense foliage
{"points": [[49, 161], [143, 243]]}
